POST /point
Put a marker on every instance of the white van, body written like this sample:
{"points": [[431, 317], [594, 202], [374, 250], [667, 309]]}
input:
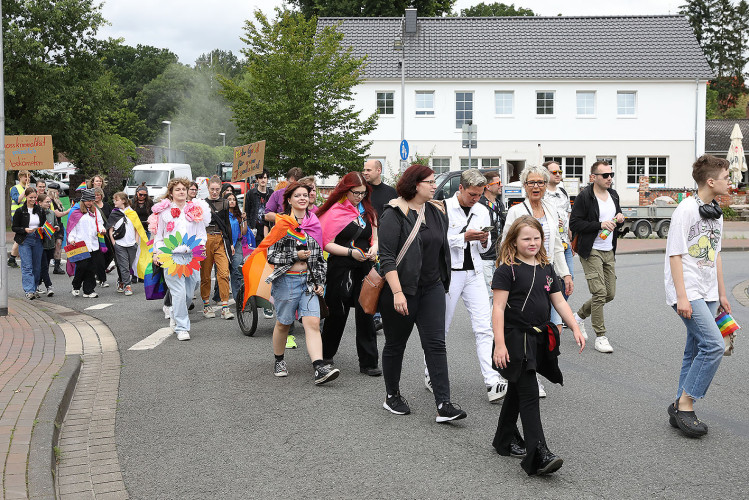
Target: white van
{"points": [[156, 176]]}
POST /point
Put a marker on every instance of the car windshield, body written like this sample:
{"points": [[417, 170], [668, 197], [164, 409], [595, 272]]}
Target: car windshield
{"points": [[150, 177]]}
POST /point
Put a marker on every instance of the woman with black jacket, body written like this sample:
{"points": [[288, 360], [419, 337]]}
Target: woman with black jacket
{"points": [[416, 287], [27, 220]]}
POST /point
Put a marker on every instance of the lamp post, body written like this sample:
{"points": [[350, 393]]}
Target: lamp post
{"points": [[400, 45], [223, 137], [169, 132]]}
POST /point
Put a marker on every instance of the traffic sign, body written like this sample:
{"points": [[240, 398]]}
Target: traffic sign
{"points": [[404, 150]]}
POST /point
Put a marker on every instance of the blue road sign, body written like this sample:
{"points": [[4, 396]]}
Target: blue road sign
{"points": [[404, 150]]}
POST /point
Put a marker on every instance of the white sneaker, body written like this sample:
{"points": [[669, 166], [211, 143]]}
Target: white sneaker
{"points": [[581, 324], [76, 293], [497, 391], [602, 344], [541, 390], [183, 335], [428, 383]]}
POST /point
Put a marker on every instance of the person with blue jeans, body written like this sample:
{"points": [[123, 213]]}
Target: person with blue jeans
{"points": [[695, 288], [26, 220]]}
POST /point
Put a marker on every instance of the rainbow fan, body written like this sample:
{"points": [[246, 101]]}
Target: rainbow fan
{"points": [[188, 251]]}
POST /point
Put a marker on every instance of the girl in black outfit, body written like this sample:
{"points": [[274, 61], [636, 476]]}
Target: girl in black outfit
{"points": [[416, 287], [525, 286], [350, 237]]}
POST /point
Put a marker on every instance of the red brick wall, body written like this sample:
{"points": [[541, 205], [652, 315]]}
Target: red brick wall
{"points": [[648, 194]]}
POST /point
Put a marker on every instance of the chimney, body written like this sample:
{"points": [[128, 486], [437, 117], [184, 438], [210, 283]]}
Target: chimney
{"points": [[411, 21]]}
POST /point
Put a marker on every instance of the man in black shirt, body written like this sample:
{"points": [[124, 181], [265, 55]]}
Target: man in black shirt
{"points": [[381, 192]]}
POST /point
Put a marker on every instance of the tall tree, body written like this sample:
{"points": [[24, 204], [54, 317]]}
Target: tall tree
{"points": [[496, 9], [295, 95], [372, 8]]}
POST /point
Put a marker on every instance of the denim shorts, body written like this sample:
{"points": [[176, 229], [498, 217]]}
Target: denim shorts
{"points": [[292, 300]]}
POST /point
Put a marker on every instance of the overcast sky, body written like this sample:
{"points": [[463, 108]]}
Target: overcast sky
{"points": [[193, 27]]}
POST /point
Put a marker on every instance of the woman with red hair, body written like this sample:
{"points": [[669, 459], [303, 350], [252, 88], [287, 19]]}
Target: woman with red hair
{"points": [[349, 225]]}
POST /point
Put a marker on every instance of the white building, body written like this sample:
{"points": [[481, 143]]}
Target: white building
{"points": [[630, 90]]}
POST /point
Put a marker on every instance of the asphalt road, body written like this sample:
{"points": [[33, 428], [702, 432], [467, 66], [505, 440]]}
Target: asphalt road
{"points": [[207, 418]]}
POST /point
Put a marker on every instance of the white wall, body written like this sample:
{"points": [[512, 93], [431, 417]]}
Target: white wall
{"points": [[664, 125]]}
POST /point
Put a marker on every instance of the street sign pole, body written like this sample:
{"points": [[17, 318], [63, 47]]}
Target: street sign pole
{"points": [[3, 251]]}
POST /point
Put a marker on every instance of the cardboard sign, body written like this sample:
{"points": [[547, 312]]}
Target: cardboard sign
{"points": [[29, 152], [248, 160]]}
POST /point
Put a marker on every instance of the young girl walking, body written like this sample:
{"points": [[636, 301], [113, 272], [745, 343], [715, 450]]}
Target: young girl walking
{"points": [[525, 286]]}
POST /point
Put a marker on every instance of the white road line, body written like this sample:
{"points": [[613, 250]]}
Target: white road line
{"points": [[153, 340], [97, 307]]}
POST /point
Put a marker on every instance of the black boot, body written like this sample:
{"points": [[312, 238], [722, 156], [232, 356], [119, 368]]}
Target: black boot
{"points": [[58, 269], [12, 262]]}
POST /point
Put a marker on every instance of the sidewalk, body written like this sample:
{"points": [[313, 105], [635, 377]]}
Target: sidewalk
{"points": [[59, 379]]}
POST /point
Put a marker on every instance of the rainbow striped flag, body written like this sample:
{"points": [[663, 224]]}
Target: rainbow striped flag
{"points": [[82, 187], [726, 323]]}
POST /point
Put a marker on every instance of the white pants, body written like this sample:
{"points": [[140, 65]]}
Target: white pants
{"points": [[471, 287]]}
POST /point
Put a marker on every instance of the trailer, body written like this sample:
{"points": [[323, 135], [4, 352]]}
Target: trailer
{"points": [[642, 221]]}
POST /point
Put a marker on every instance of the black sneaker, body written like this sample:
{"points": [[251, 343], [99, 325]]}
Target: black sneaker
{"points": [[396, 404], [449, 412], [326, 373]]}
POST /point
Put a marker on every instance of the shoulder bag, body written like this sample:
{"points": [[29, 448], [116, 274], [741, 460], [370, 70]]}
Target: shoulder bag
{"points": [[373, 283]]}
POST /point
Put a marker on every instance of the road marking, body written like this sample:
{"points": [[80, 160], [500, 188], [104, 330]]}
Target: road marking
{"points": [[153, 340], [97, 307]]}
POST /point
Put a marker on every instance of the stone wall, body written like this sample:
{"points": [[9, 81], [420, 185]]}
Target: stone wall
{"points": [[648, 195]]}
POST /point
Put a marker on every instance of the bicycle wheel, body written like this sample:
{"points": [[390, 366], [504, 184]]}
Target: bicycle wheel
{"points": [[247, 318]]}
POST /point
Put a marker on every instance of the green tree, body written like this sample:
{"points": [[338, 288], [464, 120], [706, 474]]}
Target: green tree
{"points": [[295, 94], [496, 9], [372, 8]]}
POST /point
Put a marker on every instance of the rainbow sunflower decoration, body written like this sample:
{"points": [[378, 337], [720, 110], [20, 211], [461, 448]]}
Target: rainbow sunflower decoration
{"points": [[188, 252]]}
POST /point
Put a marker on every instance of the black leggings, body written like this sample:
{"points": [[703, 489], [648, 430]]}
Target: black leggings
{"points": [[426, 309], [521, 399]]}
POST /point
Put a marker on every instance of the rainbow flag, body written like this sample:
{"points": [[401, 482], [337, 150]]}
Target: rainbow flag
{"points": [[726, 323], [82, 187]]}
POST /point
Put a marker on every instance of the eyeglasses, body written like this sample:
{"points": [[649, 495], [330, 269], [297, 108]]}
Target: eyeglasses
{"points": [[432, 182], [535, 183], [606, 175], [555, 172], [359, 194]]}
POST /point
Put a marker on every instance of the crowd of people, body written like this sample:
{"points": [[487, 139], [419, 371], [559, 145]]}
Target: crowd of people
{"points": [[513, 271]]}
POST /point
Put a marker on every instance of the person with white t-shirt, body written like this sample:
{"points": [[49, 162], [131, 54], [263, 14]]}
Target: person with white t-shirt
{"points": [[695, 289], [595, 221]]}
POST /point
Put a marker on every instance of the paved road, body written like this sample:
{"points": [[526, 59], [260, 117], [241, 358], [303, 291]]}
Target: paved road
{"points": [[207, 419]]}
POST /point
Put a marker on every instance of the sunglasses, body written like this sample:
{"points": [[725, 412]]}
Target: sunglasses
{"points": [[606, 175]]}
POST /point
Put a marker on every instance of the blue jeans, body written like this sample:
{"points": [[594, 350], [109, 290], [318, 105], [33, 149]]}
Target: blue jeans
{"points": [[182, 290], [30, 252], [703, 350]]}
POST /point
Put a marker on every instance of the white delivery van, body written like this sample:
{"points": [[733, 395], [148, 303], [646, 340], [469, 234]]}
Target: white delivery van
{"points": [[156, 176]]}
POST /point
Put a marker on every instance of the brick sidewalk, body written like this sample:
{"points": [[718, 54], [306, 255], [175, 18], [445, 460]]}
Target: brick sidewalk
{"points": [[32, 351], [35, 339]]}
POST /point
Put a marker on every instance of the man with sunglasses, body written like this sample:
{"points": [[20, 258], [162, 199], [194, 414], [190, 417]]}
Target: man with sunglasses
{"points": [[595, 221]]}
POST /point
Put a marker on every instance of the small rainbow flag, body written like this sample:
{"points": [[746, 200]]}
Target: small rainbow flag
{"points": [[82, 187], [297, 235], [726, 323]]}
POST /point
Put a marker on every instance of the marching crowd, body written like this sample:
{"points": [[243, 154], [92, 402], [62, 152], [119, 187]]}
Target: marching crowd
{"points": [[399, 253]]}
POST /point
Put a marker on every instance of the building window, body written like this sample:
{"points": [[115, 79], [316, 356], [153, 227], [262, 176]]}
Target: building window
{"points": [[384, 103], [586, 103], [544, 103], [464, 163], [572, 166], [424, 103], [504, 101], [489, 162], [440, 165], [626, 103], [463, 108], [654, 167]]}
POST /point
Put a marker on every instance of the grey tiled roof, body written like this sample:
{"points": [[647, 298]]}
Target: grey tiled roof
{"points": [[718, 135], [529, 47]]}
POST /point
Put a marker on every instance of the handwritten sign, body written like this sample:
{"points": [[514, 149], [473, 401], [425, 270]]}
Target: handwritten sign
{"points": [[248, 160], [29, 152]]}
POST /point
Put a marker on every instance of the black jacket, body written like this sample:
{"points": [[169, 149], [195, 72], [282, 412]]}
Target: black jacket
{"points": [[392, 234], [251, 205], [584, 221], [21, 221]]}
